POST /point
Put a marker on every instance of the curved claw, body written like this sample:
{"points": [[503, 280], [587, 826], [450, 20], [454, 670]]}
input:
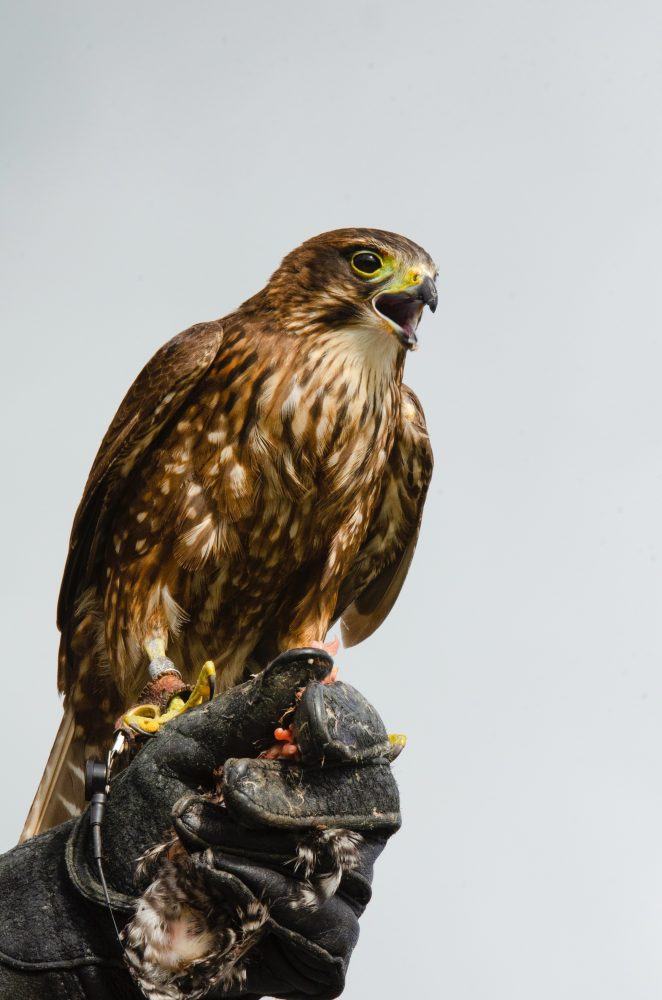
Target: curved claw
{"points": [[143, 719], [204, 687], [146, 720]]}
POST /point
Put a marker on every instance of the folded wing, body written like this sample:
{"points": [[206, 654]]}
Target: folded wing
{"points": [[371, 588]]}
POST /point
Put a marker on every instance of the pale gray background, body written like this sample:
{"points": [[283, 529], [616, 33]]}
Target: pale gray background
{"points": [[158, 160]]}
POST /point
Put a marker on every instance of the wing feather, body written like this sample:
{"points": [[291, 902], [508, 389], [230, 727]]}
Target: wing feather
{"points": [[151, 403], [60, 794], [371, 588]]}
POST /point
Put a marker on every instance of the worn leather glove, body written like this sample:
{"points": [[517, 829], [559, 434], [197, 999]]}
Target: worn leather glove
{"points": [[255, 871]]}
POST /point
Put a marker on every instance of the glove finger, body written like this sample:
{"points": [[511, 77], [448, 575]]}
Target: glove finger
{"points": [[289, 964], [241, 721], [275, 795], [281, 894], [283, 795], [301, 954], [336, 724], [201, 823]]}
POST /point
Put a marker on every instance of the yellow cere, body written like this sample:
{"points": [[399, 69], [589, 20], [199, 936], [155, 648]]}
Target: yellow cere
{"points": [[412, 277], [389, 267]]}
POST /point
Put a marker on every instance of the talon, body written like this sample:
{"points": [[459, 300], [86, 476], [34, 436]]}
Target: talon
{"points": [[143, 719], [147, 719], [204, 686], [176, 704]]}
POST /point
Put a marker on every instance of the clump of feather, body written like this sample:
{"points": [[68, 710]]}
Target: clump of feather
{"points": [[322, 858], [181, 941]]}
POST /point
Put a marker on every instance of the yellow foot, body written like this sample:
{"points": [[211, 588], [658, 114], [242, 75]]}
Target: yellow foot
{"points": [[166, 698]]}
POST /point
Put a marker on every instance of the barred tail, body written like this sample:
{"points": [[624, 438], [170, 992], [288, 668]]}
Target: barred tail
{"points": [[61, 792]]}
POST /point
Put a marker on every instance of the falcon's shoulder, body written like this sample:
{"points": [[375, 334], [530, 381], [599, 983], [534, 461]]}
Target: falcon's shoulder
{"points": [[372, 586], [154, 398]]}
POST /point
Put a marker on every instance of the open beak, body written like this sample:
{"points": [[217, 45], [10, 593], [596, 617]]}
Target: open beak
{"points": [[403, 309]]}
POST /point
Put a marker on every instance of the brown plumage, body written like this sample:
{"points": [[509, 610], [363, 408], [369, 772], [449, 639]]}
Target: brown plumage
{"points": [[263, 477]]}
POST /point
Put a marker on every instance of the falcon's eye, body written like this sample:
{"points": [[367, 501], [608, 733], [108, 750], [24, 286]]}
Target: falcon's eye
{"points": [[366, 263]]}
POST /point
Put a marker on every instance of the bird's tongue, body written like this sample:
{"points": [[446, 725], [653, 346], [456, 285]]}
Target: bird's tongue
{"points": [[404, 310], [409, 331]]}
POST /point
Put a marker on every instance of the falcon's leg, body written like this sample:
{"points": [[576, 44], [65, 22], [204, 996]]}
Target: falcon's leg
{"points": [[166, 696], [159, 664]]}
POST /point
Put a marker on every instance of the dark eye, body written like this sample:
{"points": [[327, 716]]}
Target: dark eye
{"points": [[365, 262]]}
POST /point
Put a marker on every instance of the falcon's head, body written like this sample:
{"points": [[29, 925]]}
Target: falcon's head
{"points": [[363, 278]]}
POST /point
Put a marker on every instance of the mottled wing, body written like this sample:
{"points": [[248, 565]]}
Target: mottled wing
{"points": [[151, 403], [371, 588]]}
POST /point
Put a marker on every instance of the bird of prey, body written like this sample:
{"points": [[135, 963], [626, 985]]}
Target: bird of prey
{"points": [[263, 477]]}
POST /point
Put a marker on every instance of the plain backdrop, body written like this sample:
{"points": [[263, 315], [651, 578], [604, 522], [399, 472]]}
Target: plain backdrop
{"points": [[158, 159]]}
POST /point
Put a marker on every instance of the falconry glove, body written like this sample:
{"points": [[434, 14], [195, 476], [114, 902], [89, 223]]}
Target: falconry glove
{"points": [[253, 872]]}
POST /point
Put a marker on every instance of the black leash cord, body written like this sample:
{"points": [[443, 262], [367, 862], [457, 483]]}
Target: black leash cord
{"points": [[97, 809], [97, 788]]}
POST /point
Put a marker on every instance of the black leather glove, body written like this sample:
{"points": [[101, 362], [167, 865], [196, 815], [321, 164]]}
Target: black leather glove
{"points": [[255, 871]]}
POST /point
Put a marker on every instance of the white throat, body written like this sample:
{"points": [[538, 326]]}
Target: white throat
{"points": [[367, 355]]}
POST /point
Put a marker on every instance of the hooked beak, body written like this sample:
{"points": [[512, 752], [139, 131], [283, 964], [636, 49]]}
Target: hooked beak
{"points": [[403, 309]]}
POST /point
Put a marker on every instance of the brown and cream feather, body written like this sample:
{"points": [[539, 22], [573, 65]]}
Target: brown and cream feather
{"points": [[264, 476]]}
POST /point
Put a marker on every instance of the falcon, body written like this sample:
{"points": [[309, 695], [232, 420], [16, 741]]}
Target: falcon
{"points": [[263, 478]]}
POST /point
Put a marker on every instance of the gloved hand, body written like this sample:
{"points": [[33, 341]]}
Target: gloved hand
{"points": [[255, 871]]}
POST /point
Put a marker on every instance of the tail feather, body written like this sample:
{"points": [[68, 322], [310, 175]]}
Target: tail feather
{"points": [[61, 792]]}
